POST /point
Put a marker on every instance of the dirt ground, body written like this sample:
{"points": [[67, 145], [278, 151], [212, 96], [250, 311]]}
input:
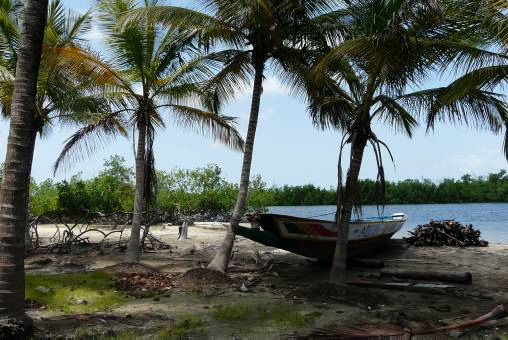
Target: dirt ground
{"points": [[264, 279]]}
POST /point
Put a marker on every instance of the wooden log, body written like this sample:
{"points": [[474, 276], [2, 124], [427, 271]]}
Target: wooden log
{"points": [[447, 276], [451, 237], [426, 288]]}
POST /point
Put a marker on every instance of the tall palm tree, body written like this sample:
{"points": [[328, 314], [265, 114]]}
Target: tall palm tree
{"points": [[383, 48], [18, 160], [62, 94], [251, 35], [154, 74]]}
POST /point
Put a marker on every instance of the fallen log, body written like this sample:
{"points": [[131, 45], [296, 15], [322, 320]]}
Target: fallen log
{"points": [[426, 288], [448, 276]]}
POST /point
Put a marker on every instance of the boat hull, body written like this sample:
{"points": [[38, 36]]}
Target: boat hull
{"points": [[317, 238]]}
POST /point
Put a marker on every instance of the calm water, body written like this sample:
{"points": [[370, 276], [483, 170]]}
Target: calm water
{"points": [[490, 218]]}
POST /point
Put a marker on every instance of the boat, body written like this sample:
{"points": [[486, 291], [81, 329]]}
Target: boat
{"points": [[316, 238]]}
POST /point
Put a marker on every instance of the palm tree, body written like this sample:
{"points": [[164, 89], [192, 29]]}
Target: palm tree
{"points": [[255, 33], [382, 49], [154, 73], [62, 94], [18, 160]]}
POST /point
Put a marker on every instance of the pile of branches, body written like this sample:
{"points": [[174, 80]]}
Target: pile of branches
{"points": [[446, 233]]}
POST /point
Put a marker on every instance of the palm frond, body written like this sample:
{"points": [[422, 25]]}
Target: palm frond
{"points": [[86, 140], [395, 115], [479, 109], [86, 64], [235, 74], [221, 128]]}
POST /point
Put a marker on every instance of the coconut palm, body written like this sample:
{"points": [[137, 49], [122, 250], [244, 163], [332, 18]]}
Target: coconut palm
{"points": [[63, 95], [155, 74], [251, 35], [13, 192], [383, 49]]}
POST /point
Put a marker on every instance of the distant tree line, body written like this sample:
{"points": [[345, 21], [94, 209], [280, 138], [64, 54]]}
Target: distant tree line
{"points": [[204, 190], [467, 189]]}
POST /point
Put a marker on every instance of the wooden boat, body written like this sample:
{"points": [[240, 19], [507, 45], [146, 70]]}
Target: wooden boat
{"points": [[316, 238]]}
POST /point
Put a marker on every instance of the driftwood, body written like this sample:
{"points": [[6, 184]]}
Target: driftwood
{"points": [[446, 233], [448, 276], [426, 288]]}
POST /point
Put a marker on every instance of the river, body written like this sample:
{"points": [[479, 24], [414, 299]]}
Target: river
{"points": [[490, 218]]}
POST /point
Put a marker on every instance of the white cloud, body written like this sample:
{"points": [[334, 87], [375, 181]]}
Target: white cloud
{"points": [[480, 161], [273, 87]]}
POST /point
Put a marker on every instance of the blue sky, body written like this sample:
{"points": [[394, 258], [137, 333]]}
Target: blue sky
{"points": [[288, 149]]}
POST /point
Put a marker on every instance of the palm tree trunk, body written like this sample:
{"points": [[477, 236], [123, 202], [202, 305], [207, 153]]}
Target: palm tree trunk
{"points": [[221, 260], [28, 240], [133, 249], [17, 164], [344, 210]]}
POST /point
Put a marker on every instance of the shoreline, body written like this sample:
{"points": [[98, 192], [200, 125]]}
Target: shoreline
{"points": [[47, 230]]}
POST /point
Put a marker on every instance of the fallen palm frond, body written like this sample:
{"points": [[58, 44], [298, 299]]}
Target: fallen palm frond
{"points": [[366, 329]]}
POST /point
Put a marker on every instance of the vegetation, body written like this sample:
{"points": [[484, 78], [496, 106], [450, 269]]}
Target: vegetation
{"points": [[280, 314], [206, 191], [73, 293], [188, 327]]}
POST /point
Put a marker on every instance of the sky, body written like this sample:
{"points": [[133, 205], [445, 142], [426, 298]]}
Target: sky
{"points": [[288, 148]]}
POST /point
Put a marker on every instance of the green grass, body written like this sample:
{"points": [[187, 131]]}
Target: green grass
{"points": [[232, 312], [280, 314], [93, 333], [67, 289], [188, 326], [124, 335]]}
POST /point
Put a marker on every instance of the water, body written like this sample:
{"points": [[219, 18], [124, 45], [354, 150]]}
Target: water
{"points": [[490, 218]]}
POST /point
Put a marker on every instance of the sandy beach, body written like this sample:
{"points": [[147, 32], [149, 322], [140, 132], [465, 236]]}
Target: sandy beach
{"points": [[288, 272]]}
